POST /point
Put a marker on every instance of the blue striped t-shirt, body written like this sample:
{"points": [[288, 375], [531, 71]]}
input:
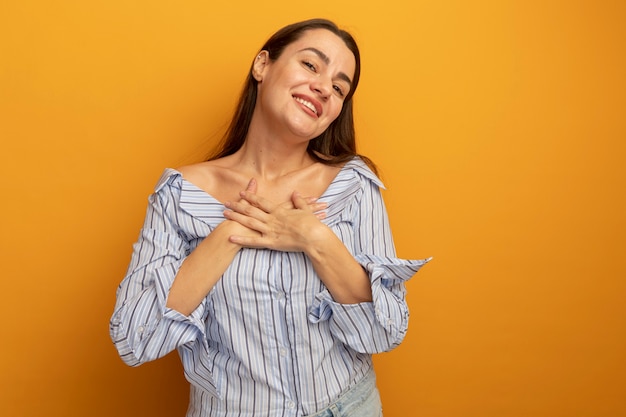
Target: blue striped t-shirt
{"points": [[268, 340]]}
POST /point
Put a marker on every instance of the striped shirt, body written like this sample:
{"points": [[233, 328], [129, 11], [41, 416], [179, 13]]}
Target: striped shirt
{"points": [[268, 340]]}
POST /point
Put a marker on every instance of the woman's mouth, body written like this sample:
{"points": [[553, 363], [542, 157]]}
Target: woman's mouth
{"points": [[309, 105]]}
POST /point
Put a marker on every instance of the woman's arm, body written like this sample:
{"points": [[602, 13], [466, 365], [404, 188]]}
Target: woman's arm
{"points": [[159, 302], [343, 276], [364, 300], [203, 268]]}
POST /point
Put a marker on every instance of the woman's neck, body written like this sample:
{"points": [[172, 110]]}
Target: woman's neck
{"points": [[271, 153], [272, 158]]}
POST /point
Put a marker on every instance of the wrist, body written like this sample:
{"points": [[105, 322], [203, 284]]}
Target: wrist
{"points": [[319, 241], [225, 230]]}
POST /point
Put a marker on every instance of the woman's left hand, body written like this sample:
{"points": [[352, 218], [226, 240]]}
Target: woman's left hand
{"points": [[289, 226]]}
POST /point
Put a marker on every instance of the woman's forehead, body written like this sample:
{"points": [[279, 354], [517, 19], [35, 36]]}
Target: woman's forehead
{"points": [[331, 46]]}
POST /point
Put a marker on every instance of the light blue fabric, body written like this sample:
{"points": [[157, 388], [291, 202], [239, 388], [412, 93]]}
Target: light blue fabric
{"points": [[362, 400]]}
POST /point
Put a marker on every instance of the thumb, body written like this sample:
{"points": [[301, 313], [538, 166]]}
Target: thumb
{"points": [[298, 201]]}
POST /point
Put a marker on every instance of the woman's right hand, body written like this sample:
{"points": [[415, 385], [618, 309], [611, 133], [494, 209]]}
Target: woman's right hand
{"points": [[237, 229]]}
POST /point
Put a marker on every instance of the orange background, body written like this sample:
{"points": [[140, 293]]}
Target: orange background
{"points": [[500, 129]]}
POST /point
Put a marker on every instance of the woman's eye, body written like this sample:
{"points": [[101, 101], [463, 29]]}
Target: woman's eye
{"points": [[338, 90], [309, 65]]}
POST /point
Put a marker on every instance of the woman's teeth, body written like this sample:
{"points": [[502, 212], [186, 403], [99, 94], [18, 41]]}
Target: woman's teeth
{"points": [[306, 103]]}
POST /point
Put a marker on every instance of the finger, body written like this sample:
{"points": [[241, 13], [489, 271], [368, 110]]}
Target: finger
{"points": [[256, 201], [245, 208], [248, 242], [318, 207], [314, 204], [252, 186], [311, 201], [299, 202], [247, 221]]}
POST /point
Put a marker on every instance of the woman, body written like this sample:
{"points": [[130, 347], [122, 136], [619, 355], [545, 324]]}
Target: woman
{"points": [[271, 267]]}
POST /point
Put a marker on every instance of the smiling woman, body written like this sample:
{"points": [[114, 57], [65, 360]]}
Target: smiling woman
{"points": [[271, 267], [313, 71]]}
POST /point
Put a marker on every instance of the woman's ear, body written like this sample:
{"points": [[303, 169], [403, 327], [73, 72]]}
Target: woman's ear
{"points": [[260, 64]]}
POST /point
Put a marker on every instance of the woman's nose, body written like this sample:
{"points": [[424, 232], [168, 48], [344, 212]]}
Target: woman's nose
{"points": [[322, 86]]}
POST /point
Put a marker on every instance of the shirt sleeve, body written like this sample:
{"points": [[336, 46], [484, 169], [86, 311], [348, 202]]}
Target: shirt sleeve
{"points": [[379, 325], [142, 327]]}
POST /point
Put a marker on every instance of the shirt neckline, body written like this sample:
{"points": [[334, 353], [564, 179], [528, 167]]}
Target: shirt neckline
{"points": [[350, 164]]}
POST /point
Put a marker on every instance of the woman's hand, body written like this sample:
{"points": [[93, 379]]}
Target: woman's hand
{"points": [[295, 226], [290, 226], [233, 228]]}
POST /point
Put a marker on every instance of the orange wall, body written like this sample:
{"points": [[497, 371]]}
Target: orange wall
{"points": [[500, 129]]}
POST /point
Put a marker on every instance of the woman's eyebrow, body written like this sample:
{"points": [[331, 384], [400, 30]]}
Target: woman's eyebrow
{"points": [[326, 60]]}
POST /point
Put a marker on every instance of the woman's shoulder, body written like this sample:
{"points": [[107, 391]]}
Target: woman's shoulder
{"points": [[197, 172], [215, 177], [205, 173], [192, 173], [358, 166]]}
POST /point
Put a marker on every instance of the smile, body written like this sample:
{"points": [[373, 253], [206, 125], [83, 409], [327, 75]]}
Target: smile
{"points": [[307, 104]]}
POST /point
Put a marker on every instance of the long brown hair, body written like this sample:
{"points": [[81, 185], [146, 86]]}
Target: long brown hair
{"points": [[337, 144]]}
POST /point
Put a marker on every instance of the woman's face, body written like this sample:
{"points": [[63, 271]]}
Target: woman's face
{"points": [[304, 89]]}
